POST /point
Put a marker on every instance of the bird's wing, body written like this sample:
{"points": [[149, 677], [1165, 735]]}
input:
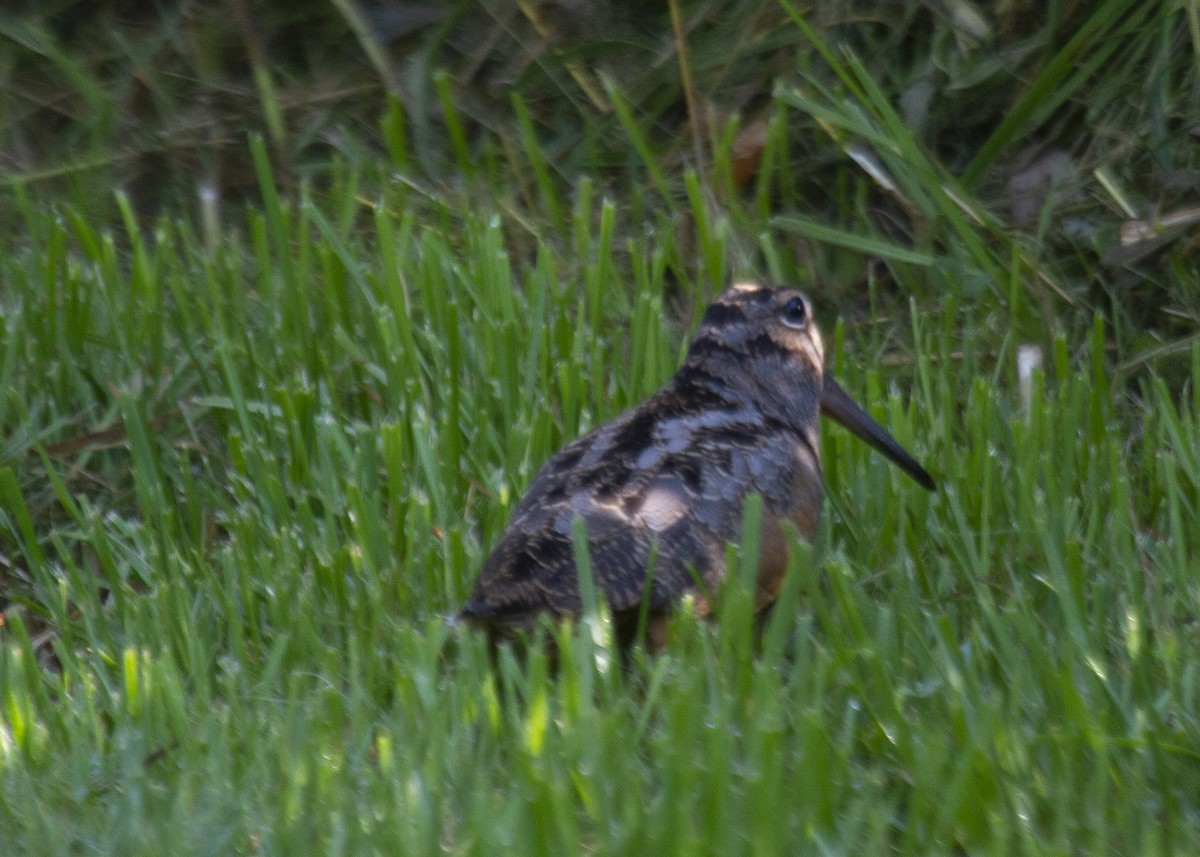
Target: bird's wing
{"points": [[533, 567]]}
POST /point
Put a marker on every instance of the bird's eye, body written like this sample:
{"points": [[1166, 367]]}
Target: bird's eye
{"points": [[795, 314]]}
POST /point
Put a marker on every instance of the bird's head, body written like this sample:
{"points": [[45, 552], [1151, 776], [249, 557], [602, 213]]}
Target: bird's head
{"points": [[762, 343]]}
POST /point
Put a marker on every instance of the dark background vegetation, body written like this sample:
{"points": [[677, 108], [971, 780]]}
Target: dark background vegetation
{"points": [[1063, 119]]}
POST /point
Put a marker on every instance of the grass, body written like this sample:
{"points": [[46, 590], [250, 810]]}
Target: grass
{"points": [[247, 472]]}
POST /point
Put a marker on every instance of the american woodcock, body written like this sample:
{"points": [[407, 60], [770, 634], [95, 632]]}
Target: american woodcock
{"points": [[670, 477]]}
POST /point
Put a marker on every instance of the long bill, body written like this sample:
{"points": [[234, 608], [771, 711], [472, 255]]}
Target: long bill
{"points": [[837, 403]]}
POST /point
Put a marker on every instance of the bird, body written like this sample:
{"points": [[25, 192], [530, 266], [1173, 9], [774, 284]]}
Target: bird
{"points": [[663, 486]]}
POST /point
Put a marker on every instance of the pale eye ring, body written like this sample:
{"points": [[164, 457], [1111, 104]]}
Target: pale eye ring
{"points": [[795, 313]]}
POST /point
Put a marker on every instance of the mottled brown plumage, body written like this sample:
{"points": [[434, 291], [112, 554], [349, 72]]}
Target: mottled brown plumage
{"points": [[672, 474]]}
